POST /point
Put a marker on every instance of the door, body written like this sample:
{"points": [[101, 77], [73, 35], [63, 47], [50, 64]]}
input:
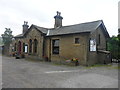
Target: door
{"points": [[50, 50], [19, 47]]}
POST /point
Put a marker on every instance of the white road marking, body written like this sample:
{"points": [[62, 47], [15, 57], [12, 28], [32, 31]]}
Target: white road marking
{"points": [[61, 71]]}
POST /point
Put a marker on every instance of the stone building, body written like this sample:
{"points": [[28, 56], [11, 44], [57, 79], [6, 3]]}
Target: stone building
{"points": [[85, 41]]}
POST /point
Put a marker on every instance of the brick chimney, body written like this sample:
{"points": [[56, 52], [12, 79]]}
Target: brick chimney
{"points": [[58, 20], [25, 26]]}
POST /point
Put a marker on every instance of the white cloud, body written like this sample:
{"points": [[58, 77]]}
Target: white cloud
{"points": [[41, 12]]}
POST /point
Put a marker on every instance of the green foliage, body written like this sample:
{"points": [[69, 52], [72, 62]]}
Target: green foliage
{"points": [[114, 47], [7, 36], [119, 31], [1, 41]]}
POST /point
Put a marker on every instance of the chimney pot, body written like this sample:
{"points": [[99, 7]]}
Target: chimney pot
{"points": [[58, 20], [25, 26]]}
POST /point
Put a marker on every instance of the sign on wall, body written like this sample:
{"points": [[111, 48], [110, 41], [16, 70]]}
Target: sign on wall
{"points": [[92, 45], [26, 48]]}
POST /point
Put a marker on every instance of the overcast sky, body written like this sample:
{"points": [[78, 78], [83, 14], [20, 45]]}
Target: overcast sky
{"points": [[13, 13]]}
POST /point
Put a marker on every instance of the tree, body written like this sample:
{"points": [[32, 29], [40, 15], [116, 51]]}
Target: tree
{"points": [[1, 41], [119, 43], [7, 36], [113, 47], [119, 31]]}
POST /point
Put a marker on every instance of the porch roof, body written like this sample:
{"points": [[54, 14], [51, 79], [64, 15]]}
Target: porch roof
{"points": [[104, 51]]}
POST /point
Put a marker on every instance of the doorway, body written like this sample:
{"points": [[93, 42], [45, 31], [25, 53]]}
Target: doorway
{"points": [[19, 47]]}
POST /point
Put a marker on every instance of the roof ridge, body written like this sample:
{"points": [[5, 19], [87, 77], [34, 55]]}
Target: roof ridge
{"points": [[19, 35], [41, 27], [83, 23], [38, 26]]}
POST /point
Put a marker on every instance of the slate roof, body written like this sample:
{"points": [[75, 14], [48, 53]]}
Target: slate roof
{"points": [[71, 29], [41, 29], [77, 28], [19, 36], [103, 51]]}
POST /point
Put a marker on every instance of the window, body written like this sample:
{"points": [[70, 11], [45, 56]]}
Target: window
{"points": [[26, 48], [30, 46], [35, 46], [19, 47], [55, 44], [92, 45], [99, 39], [77, 40], [15, 47], [23, 47]]}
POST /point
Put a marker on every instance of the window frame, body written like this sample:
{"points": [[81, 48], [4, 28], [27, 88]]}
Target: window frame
{"points": [[35, 45], [76, 40], [30, 46], [55, 47], [99, 37], [15, 47], [23, 47], [26, 46], [92, 45]]}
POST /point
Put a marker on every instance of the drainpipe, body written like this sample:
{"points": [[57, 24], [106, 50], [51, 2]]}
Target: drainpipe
{"points": [[43, 45]]}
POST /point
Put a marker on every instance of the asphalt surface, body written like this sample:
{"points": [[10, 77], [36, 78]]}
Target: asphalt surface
{"points": [[20, 73]]}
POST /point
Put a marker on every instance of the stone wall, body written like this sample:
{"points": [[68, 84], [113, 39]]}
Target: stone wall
{"points": [[93, 56], [67, 48], [31, 35]]}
